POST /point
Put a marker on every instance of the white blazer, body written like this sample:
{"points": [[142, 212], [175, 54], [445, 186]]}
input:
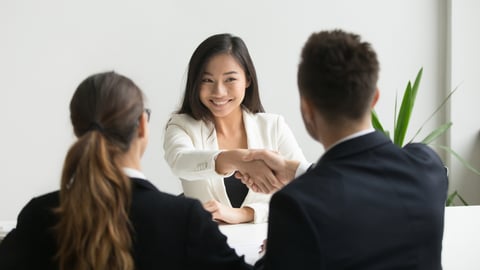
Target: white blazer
{"points": [[191, 147]]}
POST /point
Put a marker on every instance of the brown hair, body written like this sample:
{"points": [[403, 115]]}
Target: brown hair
{"points": [[94, 230], [338, 73], [214, 45]]}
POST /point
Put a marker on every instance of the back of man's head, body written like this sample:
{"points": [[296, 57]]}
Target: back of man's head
{"points": [[338, 74]]}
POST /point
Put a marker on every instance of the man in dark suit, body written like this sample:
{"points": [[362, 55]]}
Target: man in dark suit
{"points": [[366, 204]]}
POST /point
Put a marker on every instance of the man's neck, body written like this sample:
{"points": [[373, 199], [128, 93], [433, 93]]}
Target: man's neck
{"points": [[333, 134]]}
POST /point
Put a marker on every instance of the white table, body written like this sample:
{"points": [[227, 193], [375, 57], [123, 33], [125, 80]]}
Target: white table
{"points": [[461, 238], [246, 239]]}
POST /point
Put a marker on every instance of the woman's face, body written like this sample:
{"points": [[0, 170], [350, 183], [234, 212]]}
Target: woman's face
{"points": [[223, 85]]}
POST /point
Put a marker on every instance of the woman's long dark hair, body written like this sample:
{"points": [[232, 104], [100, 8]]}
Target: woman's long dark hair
{"points": [[214, 45], [94, 230]]}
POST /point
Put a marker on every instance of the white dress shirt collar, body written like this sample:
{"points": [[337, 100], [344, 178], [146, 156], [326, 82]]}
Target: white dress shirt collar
{"points": [[351, 136], [134, 173]]}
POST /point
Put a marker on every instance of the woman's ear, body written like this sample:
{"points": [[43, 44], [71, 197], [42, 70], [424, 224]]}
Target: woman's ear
{"points": [[143, 126], [248, 82]]}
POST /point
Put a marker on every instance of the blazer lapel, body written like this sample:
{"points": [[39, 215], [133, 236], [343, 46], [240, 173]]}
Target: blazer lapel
{"points": [[208, 132], [253, 142], [211, 143]]}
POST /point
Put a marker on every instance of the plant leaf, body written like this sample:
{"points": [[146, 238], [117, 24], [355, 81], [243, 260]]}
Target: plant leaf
{"points": [[461, 199], [377, 125], [416, 84], [435, 112], [436, 133], [464, 162], [450, 198], [406, 108], [387, 133], [395, 113], [403, 118], [376, 122]]}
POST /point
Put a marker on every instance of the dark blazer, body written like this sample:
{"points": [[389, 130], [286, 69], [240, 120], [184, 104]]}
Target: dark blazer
{"points": [[367, 204], [170, 233]]}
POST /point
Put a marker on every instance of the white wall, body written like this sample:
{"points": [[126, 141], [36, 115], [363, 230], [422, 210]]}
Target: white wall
{"points": [[47, 47], [465, 109]]}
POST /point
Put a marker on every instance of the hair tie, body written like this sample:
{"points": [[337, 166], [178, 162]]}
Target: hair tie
{"points": [[95, 126]]}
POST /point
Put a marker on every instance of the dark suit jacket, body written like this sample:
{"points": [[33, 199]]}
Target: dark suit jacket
{"points": [[367, 204], [170, 233]]}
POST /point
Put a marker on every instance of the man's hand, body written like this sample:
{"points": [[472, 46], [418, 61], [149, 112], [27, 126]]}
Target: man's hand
{"points": [[283, 169], [263, 248], [259, 173]]}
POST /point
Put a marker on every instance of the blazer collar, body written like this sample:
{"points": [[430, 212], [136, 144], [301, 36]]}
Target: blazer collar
{"points": [[143, 183], [355, 145], [252, 130], [208, 132]]}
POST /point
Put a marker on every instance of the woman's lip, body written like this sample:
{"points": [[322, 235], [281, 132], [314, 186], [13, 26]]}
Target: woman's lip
{"points": [[220, 102]]}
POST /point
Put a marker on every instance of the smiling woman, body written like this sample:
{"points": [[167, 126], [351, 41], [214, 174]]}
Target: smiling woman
{"points": [[220, 118], [222, 89]]}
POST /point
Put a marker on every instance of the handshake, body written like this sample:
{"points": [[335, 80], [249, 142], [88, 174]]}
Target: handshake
{"points": [[262, 171]]}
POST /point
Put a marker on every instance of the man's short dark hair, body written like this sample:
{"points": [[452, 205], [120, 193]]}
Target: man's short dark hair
{"points": [[338, 73]]}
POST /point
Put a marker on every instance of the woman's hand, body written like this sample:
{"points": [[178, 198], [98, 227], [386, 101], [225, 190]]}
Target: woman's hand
{"points": [[250, 167], [283, 170], [258, 172], [223, 213]]}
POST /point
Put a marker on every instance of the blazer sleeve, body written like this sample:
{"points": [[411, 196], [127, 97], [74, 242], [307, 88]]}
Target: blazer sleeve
{"points": [[207, 247], [184, 158], [14, 249], [289, 237], [19, 249]]}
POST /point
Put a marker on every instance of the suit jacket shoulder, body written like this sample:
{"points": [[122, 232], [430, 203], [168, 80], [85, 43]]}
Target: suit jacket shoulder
{"points": [[365, 190]]}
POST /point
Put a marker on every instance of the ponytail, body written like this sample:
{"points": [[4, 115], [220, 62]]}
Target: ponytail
{"points": [[94, 231]]}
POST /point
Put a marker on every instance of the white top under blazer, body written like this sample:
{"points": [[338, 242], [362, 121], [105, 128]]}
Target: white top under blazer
{"points": [[191, 147]]}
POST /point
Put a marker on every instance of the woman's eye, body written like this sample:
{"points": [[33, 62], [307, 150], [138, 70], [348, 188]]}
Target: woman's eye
{"points": [[230, 79], [207, 80]]}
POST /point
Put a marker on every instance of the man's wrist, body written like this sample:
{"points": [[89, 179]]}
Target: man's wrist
{"points": [[291, 167], [302, 168]]}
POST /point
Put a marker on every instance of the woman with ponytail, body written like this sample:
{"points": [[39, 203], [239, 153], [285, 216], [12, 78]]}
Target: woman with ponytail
{"points": [[107, 215]]}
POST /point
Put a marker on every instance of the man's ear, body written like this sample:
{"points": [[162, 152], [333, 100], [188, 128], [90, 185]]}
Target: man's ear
{"points": [[309, 116], [306, 110], [376, 96]]}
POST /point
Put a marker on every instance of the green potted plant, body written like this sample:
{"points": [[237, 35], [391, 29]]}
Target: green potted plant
{"points": [[401, 124]]}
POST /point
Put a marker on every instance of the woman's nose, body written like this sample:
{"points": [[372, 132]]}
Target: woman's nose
{"points": [[219, 88]]}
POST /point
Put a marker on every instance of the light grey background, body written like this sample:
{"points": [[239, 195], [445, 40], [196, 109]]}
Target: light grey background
{"points": [[47, 48]]}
